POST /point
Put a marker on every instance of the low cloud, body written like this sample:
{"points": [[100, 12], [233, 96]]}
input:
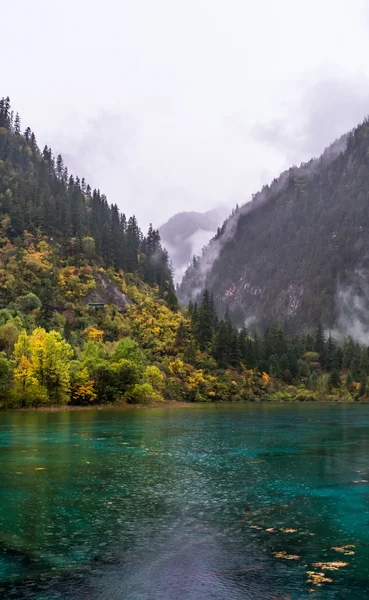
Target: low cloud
{"points": [[327, 110], [352, 305]]}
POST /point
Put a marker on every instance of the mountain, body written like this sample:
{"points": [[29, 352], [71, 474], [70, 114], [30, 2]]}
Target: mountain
{"points": [[298, 248], [89, 315], [88, 310], [186, 233]]}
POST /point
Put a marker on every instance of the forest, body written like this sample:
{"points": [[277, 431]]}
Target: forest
{"points": [[286, 254], [89, 313]]}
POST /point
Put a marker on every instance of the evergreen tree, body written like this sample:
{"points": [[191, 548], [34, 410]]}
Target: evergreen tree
{"points": [[320, 345], [205, 328], [363, 386], [330, 353], [17, 123], [334, 379], [349, 383]]}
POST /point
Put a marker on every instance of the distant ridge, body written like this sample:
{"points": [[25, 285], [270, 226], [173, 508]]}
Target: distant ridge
{"points": [[185, 233]]}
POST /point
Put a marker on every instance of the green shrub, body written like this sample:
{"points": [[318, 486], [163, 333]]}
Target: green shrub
{"points": [[32, 395], [29, 302], [143, 393], [128, 349], [155, 378]]}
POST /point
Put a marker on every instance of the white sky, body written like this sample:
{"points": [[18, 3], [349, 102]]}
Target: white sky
{"points": [[170, 105]]}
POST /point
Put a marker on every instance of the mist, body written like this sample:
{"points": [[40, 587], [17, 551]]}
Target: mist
{"points": [[352, 307], [168, 107]]}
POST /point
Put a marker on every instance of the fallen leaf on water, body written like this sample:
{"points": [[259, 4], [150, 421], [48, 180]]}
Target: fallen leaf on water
{"points": [[330, 566], [286, 556], [318, 578], [344, 549]]}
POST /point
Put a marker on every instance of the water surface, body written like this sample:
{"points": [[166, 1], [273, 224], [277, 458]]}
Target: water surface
{"points": [[167, 504]]}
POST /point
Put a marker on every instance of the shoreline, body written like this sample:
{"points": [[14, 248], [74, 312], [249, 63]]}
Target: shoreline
{"points": [[69, 408], [167, 404]]}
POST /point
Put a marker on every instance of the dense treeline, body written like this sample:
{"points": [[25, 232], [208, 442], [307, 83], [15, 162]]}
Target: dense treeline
{"points": [[38, 194], [88, 313], [314, 360]]}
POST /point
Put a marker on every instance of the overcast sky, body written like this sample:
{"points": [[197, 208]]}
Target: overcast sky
{"points": [[171, 105]]}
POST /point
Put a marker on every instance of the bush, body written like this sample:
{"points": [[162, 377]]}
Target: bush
{"points": [[9, 334], [305, 396], [29, 302], [155, 378], [143, 393], [112, 380], [32, 395], [5, 376], [128, 349]]}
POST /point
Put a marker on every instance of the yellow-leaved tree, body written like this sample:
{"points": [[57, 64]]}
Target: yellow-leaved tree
{"points": [[43, 362]]}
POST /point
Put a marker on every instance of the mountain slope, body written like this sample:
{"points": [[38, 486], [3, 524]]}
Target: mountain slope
{"points": [[186, 233], [38, 195], [88, 311], [283, 255]]}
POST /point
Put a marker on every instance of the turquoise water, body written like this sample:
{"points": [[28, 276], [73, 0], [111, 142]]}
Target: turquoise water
{"points": [[172, 504]]}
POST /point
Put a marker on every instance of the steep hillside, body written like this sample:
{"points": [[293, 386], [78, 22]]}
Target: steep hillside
{"points": [[88, 312], [186, 233], [287, 253]]}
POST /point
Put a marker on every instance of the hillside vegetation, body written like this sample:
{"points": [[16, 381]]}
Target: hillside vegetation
{"points": [[89, 314], [88, 310], [285, 255]]}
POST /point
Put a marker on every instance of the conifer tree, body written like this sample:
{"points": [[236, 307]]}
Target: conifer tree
{"points": [[320, 344], [17, 125]]}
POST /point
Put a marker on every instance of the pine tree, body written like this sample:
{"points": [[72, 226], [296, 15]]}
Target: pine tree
{"points": [[235, 350], [349, 383], [330, 353], [206, 321], [181, 334], [320, 345], [17, 125], [363, 386], [334, 379]]}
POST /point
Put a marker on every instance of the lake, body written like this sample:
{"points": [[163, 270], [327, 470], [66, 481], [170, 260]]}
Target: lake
{"points": [[206, 502]]}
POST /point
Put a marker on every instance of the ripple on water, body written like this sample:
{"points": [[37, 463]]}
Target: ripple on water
{"points": [[219, 502]]}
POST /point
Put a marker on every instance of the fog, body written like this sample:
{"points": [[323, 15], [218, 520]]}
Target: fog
{"points": [[169, 106]]}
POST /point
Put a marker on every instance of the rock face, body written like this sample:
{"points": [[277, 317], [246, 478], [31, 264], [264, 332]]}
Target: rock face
{"points": [[107, 292], [287, 253]]}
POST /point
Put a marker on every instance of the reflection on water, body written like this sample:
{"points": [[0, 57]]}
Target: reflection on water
{"points": [[252, 501]]}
